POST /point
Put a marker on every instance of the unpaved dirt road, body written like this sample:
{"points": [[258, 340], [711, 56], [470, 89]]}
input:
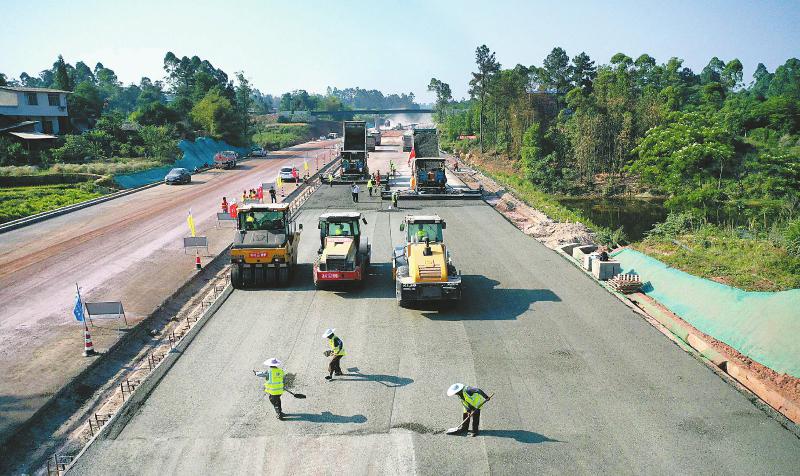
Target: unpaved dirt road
{"points": [[128, 249], [582, 384]]}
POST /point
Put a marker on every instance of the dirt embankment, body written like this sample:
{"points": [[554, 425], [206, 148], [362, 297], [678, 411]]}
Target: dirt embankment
{"points": [[531, 221]]}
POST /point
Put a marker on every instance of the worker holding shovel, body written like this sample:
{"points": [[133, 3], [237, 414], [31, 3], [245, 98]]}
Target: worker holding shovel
{"points": [[273, 385], [472, 398]]}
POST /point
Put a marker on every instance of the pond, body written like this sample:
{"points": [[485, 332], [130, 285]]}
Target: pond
{"points": [[635, 215]]}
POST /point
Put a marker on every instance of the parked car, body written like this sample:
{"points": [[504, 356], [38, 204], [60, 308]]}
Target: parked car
{"points": [[258, 152], [225, 159], [178, 176], [321, 137], [288, 174]]}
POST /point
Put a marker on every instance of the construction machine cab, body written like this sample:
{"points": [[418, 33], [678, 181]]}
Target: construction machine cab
{"points": [[344, 224], [421, 228]]}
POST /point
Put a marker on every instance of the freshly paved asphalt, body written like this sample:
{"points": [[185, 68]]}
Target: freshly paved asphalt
{"points": [[581, 383]]}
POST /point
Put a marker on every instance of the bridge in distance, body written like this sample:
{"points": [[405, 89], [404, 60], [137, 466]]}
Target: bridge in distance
{"points": [[341, 114]]}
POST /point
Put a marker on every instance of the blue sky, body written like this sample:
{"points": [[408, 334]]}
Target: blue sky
{"points": [[393, 46]]}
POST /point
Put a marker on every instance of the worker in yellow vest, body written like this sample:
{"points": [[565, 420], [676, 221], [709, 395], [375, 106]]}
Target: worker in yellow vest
{"points": [[336, 353], [273, 384], [472, 399]]}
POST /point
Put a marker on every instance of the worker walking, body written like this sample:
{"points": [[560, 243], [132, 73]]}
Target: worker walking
{"points": [[472, 398], [224, 205], [355, 189], [272, 196], [330, 180], [369, 186], [273, 385], [336, 353]]}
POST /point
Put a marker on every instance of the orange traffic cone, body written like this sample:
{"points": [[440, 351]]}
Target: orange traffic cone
{"points": [[88, 347], [197, 263]]}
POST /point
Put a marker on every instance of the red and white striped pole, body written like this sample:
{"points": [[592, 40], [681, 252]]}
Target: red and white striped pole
{"points": [[88, 346]]}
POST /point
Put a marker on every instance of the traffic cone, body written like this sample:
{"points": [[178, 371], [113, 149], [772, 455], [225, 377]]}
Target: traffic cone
{"points": [[197, 263], [88, 347]]}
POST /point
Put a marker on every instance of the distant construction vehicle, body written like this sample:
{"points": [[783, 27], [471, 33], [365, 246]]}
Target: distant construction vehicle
{"points": [[344, 253], [376, 133], [354, 151], [265, 246], [371, 142], [408, 142], [429, 173], [422, 267]]}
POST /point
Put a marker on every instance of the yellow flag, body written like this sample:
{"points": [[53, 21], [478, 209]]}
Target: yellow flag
{"points": [[279, 182], [305, 165], [190, 221]]}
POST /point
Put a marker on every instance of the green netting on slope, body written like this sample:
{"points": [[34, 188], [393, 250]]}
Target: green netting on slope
{"points": [[764, 326], [195, 155]]}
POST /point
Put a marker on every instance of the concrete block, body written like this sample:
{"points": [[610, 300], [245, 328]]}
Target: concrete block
{"points": [[569, 247], [587, 261], [579, 251], [605, 270]]}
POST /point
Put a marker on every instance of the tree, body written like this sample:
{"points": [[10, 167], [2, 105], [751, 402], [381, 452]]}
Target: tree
{"points": [[244, 103], [712, 73], [556, 71], [583, 72], [86, 103], [216, 115], [786, 79], [761, 80], [3, 81], [443, 96], [731, 76], [155, 114], [61, 80], [481, 79], [158, 143]]}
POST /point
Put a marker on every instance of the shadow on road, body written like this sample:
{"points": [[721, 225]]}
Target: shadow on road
{"points": [[483, 301], [390, 381], [325, 417], [523, 436], [377, 285]]}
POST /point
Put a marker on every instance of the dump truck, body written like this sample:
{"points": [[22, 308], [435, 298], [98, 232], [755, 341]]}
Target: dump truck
{"points": [[371, 143], [408, 142], [377, 134], [422, 267], [344, 253], [354, 151], [265, 246]]}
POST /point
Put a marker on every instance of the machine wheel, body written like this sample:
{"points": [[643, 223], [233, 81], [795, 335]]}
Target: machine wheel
{"points": [[236, 277], [271, 276], [283, 277], [398, 294], [259, 277]]}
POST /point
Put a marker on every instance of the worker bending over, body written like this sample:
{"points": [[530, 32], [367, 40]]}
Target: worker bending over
{"points": [[336, 353], [472, 398], [273, 385]]}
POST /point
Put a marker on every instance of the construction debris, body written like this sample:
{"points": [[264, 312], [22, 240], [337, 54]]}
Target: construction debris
{"points": [[625, 283]]}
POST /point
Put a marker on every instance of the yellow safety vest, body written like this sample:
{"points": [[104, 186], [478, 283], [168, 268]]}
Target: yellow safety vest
{"points": [[336, 351], [274, 383], [472, 402]]}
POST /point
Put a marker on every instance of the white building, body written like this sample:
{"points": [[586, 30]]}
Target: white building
{"points": [[48, 107]]}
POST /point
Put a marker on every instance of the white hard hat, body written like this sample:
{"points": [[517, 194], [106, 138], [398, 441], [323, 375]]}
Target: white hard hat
{"points": [[328, 332], [273, 362], [454, 389]]}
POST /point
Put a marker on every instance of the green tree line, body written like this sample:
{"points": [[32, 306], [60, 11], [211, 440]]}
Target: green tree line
{"points": [[707, 141]]}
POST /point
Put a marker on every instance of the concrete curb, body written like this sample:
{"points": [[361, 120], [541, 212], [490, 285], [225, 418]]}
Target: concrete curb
{"points": [[140, 395], [30, 220]]}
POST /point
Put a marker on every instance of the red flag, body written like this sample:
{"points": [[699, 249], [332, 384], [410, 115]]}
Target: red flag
{"points": [[234, 210], [411, 155]]}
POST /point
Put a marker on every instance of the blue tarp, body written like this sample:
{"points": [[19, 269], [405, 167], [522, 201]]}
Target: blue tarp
{"points": [[764, 326], [195, 155]]}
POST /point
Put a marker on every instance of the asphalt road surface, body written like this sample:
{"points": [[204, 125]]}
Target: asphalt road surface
{"points": [[581, 383], [127, 249]]}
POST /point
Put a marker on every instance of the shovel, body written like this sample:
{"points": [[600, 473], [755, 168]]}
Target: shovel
{"points": [[456, 429], [295, 395]]}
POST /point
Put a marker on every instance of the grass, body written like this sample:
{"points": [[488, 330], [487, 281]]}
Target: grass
{"points": [[722, 255], [279, 136], [19, 202], [115, 165]]}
